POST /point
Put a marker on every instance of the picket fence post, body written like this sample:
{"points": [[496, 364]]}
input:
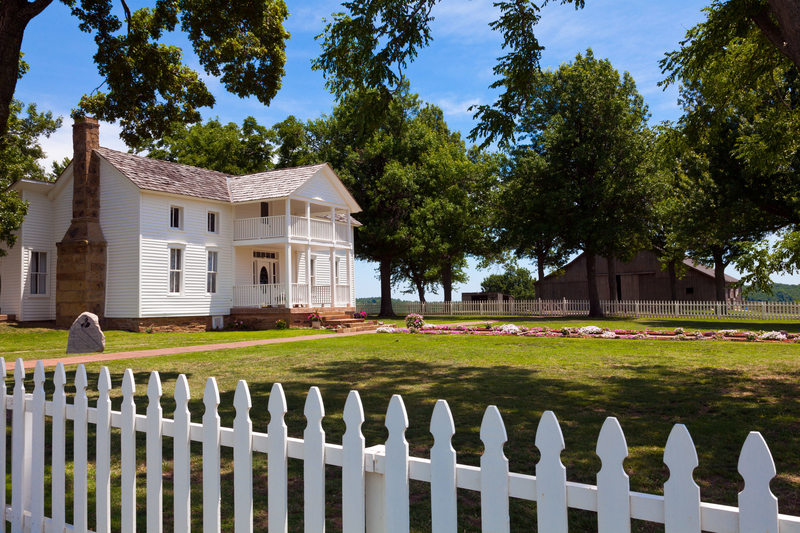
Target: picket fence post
{"points": [[59, 447], [494, 473], [103, 467], [314, 463], [212, 521], [243, 461], [681, 493], [444, 510], [396, 477], [80, 447], [277, 461], [153, 456], [551, 476], [353, 480], [182, 456], [758, 507], [37, 450], [128, 454], [613, 484]]}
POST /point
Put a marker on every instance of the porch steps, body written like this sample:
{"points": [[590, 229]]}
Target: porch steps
{"points": [[351, 324]]}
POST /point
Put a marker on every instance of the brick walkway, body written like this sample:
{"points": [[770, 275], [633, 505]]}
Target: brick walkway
{"points": [[100, 357]]}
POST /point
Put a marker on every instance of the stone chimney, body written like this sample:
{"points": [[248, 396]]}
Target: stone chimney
{"points": [[81, 266]]}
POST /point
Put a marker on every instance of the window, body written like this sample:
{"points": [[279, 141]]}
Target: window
{"points": [[175, 217], [175, 270], [337, 271], [689, 290], [213, 223], [264, 255], [211, 279], [313, 272], [264, 209], [38, 272]]}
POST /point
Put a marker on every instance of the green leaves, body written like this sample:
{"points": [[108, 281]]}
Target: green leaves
{"points": [[515, 281], [20, 160], [149, 89], [224, 148]]}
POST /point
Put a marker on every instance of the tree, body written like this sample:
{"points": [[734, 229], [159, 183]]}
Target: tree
{"points": [[527, 213], [741, 120], [588, 125], [20, 160], [148, 86], [295, 141], [515, 281], [224, 148]]}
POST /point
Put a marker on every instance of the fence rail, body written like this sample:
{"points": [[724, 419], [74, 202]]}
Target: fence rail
{"points": [[375, 480], [632, 308]]}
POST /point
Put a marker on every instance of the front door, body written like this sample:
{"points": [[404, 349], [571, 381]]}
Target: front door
{"points": [[265, 272]]}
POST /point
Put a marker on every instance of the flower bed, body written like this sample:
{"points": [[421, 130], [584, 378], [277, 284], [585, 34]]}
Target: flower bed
{"points": [[420, 327]]}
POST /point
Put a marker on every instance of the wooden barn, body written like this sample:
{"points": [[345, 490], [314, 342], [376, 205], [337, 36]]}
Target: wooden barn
{"points": [[639, 279]]}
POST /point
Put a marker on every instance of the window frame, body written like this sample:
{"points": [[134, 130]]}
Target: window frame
{"points": [[40, 276], [181, 251], [312, 275], [212, 274], [215, 215], [179, 209]]}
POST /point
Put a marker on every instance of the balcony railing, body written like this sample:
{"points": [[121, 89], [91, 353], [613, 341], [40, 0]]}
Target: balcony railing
{"points": [[275, 227]]}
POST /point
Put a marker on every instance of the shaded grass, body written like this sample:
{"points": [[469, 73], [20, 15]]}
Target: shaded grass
{"points": [[721, 391], [33, 341]]}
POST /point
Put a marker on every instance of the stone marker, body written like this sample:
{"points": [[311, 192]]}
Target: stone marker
{"points": [[85, 335]]}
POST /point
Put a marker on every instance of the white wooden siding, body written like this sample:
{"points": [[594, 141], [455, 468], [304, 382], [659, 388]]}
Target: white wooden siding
{"points": [[37, 236], [156, 238], [323, 266], [62, 218], [253, 210], [119, 209], [244, 265], [319, 189], [10, 293]]}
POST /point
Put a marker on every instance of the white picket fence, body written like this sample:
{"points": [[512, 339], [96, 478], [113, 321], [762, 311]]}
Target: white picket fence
{"points": [[634, 308], [375, 480]]}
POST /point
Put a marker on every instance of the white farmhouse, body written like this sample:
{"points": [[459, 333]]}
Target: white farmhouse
{"points": [[142, 242]]}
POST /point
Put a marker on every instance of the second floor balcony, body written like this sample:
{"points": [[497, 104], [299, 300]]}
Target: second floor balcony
{"points": [[276, 229]]}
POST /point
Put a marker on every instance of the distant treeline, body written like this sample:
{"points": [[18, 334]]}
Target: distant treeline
{"points": [[378, 301], [781, 292]]}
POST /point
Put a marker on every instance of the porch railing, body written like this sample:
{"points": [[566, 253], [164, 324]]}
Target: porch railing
{"points": [[342, 294], [342, 233], [258, 295], [320, 295], [259, 228], [300, 293]]}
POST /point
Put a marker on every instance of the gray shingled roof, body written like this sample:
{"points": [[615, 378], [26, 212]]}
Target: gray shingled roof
{"points": [[270, 184], [164, 176]]}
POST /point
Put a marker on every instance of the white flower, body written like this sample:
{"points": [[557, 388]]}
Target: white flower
{"points": [[608, 335], [590, 330], [772, 336], [386, 329], [509, 328], [428, 326]]}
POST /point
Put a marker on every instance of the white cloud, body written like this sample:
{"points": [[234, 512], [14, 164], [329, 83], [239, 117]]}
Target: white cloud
{"points": [[452, 105], [59, 144]]}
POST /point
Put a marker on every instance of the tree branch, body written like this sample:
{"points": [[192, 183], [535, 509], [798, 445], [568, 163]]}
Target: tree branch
{"points": [[770, 30]]}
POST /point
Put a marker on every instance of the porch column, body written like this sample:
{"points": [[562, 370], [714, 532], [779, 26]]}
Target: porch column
{"points": [[288, 218], [308, 222], [333, 276], [349, 229], [333, 224], [349, 258], [287, 252], [308, 273]]}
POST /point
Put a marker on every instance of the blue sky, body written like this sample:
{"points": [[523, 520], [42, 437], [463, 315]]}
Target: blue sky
{"points": [[453, 73]]}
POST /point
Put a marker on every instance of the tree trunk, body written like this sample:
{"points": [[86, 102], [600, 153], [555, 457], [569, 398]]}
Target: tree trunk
{"points": [[785, 35], [14, 18], [613, 293], [595, 311], [386, 289], [540, 259], [447, 281], [420, 291], [719, 274], [673, 281]]}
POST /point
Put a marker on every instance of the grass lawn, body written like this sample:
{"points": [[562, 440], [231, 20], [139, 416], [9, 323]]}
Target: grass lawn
{"points": [[720, 390], [629, 323], [34, 342]]}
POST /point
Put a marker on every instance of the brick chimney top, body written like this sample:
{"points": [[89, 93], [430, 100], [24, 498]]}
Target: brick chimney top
{"points": [[86, 188]]}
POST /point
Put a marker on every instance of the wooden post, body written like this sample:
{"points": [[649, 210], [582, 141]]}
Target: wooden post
{"points": [[287, 252], [332, 253], [308, 270]]}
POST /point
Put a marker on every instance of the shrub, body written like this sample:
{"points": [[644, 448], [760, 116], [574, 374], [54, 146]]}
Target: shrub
{"points": [[415, 321], [281, 324]]}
